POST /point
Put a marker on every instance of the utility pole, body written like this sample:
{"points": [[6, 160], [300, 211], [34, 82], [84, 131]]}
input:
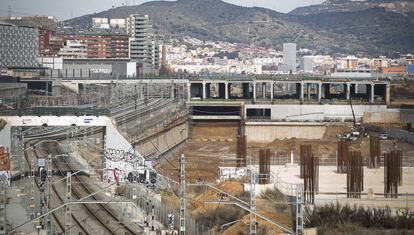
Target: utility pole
{"points": [[299, 209], [20, 137], [182, 195], [43, 177], [49, 225], [10, 10], [32, 191], [68, 214], [3, 215], [253, 180]]}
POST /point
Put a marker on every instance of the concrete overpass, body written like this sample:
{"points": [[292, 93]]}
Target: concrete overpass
{"points": [[274, 89], [117, 152]]}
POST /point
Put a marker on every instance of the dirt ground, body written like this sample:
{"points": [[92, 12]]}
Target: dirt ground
{"points": [[206, 153], [204, 156], [402, 93]]}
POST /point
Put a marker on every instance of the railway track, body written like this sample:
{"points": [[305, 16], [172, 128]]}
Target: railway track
{"points": [[55, 192], [152, 106], [101, 212]]}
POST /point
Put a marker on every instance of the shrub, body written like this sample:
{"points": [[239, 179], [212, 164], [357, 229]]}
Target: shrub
{"points": [[339, 217], [220, 216]]}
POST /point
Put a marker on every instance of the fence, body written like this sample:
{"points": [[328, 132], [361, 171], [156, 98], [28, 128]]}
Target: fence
{"points": [[393, 133], [325, 160], [141, 195], [286, 188]]}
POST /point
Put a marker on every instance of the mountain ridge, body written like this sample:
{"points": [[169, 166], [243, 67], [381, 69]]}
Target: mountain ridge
{"points": [[401, 6], [373, 31]]}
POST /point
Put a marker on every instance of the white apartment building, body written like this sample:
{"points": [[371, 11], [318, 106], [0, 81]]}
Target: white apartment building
{"points": [[73, 49]]}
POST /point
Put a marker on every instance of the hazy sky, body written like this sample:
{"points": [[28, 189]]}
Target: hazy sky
{"points": [[64, 9]]}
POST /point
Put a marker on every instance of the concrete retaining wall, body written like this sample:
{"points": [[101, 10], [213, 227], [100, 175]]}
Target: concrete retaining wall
{"points": [[160, 143], [319, 113], [382, 117], [268, 132], [71, 86]]}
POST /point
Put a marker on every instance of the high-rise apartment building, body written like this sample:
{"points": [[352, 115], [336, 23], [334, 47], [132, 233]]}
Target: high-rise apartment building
{"points": [[143, 48], [101, 45], [289, 56], [18, 46], [49, 43], [381, 62], [307, 63], [349, 62]]}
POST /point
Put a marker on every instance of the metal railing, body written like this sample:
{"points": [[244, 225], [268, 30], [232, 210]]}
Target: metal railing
{"points": [[56, 111]]}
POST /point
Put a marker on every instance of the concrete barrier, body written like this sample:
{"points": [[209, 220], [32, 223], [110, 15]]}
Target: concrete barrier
{"points": [[267, 132], [381, 117]]}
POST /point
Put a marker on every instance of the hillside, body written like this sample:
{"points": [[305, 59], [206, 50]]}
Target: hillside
{"points": [[372, 31], [330, 6]]}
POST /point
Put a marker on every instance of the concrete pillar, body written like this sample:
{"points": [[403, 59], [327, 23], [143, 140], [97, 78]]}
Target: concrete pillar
{"points": [[348, 91], [356, 88], [204, 91], [387, 94], [308, 90], [141, 91], [47, 88], [254, 91], [188, 91], [56, 88], [263, 90], [319, 91], [372, 93], [301, 91], [172, 91], [272, 87], [246, 92], [226, 90]]}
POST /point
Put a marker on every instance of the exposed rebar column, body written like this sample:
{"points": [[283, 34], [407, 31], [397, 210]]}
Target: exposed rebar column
{"points": [[374, 152], [355, 175], [264, 166], [182, 195], [305, 152], [392, 173], [241, 151], [342, 158], [311, 178]]}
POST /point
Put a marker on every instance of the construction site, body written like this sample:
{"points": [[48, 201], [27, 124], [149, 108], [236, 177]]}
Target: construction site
{"points": [[209, 156]]}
